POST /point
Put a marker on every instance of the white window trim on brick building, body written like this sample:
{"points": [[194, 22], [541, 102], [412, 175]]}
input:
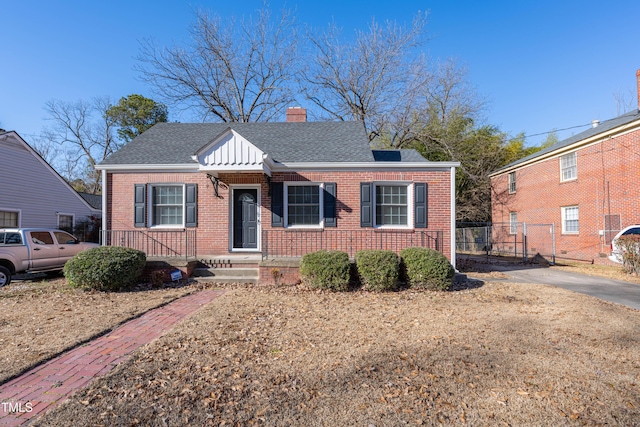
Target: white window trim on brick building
{"points": [[570, 220], [153, 206], [378, 205], [320, 223], [512, 182], [513, 222], [568, 167]]}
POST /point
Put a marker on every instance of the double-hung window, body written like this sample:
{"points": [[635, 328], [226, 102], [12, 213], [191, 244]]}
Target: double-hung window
{"points": [[303, 205], [570, 216], [392, 205], [512, 182], [513, 223], [568, 167], [9, 219], [65, 222], [167, 205]]}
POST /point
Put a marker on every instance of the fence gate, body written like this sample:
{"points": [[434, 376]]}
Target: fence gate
{"points": [[517, 239]]}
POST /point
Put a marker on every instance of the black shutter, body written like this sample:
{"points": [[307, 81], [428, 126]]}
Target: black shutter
{"points": [[330, 219], [191, 205], [140, 205], [277, 211], [366, 204], [420, 204]]}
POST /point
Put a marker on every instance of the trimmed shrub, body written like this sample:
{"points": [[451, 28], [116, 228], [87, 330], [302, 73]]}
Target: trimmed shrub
{"points": [[326, 270], [378, 269], [427, 269], [105, 268]]}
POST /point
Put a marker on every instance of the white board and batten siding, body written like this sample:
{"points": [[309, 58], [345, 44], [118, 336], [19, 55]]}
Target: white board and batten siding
{"points": [[231, 152], [31, 187]]}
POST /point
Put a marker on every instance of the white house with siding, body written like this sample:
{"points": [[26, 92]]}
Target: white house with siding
{"points": [[32, 193]]}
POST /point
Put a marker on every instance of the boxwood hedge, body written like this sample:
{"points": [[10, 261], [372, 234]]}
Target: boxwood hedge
{"points": [[378, 269], [105, 268], [427, 269], [326, 270]]}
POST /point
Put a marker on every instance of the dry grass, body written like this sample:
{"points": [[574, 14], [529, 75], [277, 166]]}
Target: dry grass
{"points": [[41, 318], [499, 354]]}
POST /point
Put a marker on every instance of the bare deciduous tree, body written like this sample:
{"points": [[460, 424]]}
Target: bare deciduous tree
{"points": [[232, 72], [86, 135], [376, 79]]}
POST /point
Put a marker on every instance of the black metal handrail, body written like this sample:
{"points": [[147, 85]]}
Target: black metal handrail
{"points": [[162, 243], [292, 243]]}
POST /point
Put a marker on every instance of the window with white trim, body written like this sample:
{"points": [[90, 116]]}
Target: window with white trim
{"points": [[570, 217], [392, 205], [167, 205], [568, 167], [303, 204], [65, 222], [513, 222], [512, 182], [9, 219]]}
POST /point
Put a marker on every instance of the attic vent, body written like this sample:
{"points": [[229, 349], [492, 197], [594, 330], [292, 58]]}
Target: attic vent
{"points": [[595, 123]]}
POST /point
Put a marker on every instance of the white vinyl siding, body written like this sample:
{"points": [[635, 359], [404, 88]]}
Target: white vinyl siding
{"points": [[35, 191], [570, 220], [568, 167]]}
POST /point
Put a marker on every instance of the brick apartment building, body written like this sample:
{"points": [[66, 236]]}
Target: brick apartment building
{"points": [[588, 186], [276, 189]]}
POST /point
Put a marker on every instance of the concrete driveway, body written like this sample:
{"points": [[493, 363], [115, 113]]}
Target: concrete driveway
{"points": [[617, 291]]}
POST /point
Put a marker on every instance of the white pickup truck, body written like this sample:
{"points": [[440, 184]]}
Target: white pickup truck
{"points": [[36, 250]]}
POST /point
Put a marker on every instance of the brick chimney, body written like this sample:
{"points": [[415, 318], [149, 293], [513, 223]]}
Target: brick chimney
{"points": [[299, 114], [638, 80]]}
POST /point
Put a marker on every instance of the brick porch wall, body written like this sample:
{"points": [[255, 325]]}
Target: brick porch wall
{"points": [[607, 182]]}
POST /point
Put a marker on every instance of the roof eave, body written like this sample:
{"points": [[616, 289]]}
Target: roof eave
{"points": [[561, 150]]}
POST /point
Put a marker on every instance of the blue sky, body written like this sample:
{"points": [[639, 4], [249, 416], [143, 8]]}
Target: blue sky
{"points": [[542, 65]]}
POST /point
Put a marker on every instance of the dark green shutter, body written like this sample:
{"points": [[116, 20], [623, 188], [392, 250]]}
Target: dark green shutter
{"points": [[330, 218], [366, 204], [191, 205], [140, 205], [420, 204], [277, 211]]}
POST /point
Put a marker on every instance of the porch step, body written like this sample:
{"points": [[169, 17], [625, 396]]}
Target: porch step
{"points": [[230, 261], [227, 275]]}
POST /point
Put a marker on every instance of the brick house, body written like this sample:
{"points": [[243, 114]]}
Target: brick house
{"points": [[280, 190], [586, 185]]}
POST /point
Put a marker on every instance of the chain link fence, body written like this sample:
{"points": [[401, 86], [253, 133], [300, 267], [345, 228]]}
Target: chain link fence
{"points": [[517, 239]]}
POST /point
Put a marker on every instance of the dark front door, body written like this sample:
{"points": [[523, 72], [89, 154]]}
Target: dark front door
{"points": [[245, 218]]}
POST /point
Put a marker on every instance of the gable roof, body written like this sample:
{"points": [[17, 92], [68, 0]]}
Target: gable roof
{"points": [[12, 137], [602, 128], [314, 142]]}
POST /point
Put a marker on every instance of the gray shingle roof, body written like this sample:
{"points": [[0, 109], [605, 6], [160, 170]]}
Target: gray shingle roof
{"points": [[603, 127], [95, 200], [175, 143]]}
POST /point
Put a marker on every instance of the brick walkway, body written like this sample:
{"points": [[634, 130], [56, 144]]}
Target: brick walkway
{"points": [[33, 393]]}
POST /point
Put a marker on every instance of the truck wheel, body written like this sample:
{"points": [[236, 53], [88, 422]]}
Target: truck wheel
{"points": [[5, 276]]}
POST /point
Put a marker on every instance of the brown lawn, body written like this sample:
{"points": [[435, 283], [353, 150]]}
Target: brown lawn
{"points": [[497, 354], [42, 317]]}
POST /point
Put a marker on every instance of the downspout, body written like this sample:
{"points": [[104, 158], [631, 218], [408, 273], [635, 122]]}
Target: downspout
{"points": [[103, 233], [453, 217]]}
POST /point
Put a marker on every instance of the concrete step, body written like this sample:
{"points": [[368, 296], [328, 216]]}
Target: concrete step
{"points": [[227, 275]]}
